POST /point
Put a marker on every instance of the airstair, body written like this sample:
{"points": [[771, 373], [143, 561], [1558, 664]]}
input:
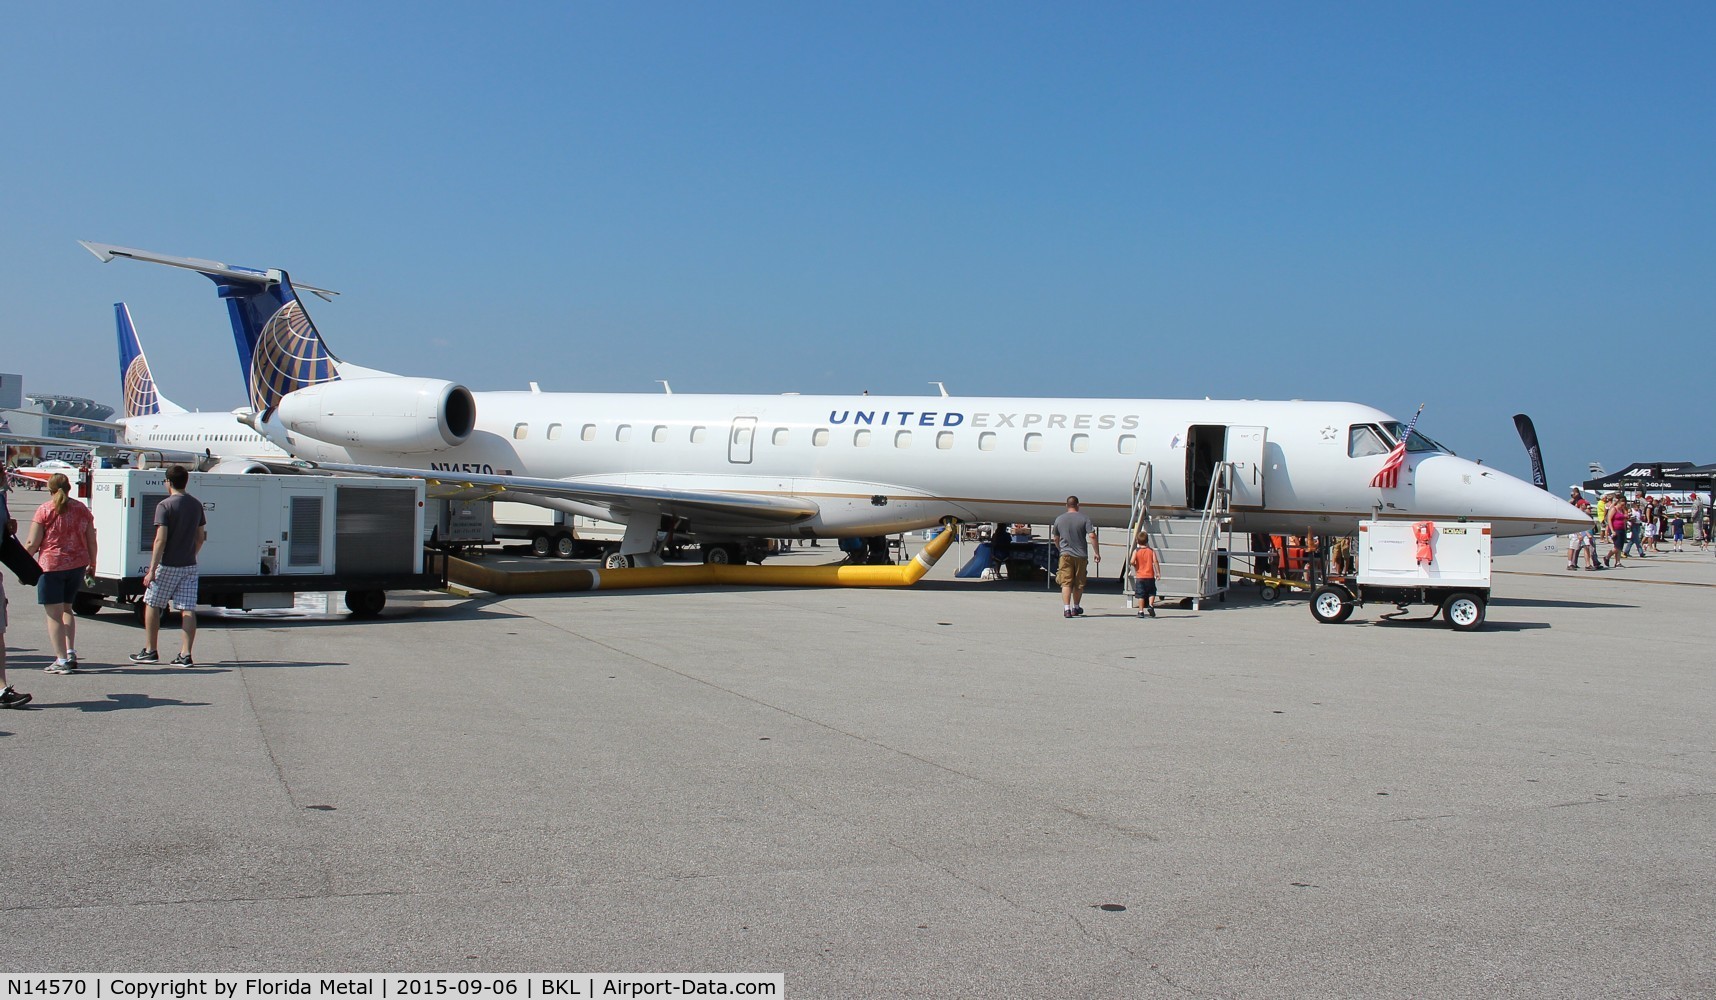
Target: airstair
{"points": [[1187, 545]]}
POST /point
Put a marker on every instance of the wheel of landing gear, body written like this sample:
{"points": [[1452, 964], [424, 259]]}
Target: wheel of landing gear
{"points": [[1331, 605], [720, 555], [617, 561], [541, 546], [1463, 612], [1268, 593]]}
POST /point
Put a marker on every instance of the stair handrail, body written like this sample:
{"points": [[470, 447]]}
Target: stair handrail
{"points": [[1217, 504], [1143, 484]]}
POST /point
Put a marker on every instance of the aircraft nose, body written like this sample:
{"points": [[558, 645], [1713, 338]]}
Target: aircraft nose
{"points": [[1514, 506]]}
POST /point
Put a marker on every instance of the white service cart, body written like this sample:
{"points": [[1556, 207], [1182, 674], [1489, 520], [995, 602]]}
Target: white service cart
{"points": [[1454, 580], [269, 537]]}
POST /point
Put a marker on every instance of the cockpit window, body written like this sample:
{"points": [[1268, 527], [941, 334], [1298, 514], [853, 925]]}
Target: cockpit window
{"points": [[1419, 442], [1363, 439]]}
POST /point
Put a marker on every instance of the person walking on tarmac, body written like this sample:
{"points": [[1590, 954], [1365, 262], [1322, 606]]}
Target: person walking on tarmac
{"points": [[10, 697], [1144, 572], [180, 530], [1070, 533]]}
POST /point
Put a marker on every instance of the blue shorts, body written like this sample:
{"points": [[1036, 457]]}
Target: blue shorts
{"points": [[59, 586], [1143, 589]]}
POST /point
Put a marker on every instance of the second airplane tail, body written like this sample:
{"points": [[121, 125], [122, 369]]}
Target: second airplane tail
{"points": [[136, 383]]}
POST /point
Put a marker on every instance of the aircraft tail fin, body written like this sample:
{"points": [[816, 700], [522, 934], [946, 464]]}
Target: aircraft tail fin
{"points": [[136, 383], [279, 348]]}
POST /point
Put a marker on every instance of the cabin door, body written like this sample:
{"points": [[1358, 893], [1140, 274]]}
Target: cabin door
{"points": [[741, 439], [1208, 446], [1245, 451]]}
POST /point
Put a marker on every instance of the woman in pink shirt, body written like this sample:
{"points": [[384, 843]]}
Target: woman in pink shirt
{"points": [[1617, 531], [62, 538]]}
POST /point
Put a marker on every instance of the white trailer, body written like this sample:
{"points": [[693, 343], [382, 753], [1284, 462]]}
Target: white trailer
{"points": [[269, 537], [1392, 569], [554, 532]]}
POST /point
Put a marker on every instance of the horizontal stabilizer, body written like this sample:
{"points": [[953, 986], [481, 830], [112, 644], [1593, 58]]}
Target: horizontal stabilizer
{"points": [[106, 252]]}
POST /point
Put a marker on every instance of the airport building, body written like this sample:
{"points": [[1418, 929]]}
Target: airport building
{"points": [[72, 418]]}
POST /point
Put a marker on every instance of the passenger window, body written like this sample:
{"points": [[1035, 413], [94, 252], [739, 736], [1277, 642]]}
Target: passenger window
{"points": [[780, 436], [699, 435], [819, 437], [553, 432], [659, 435], [986, 441], [588, 433], [1033, 442], [520, 431], [623, 433], [1362, 440], [903, 439], [944, 441], [1128, 444], [861, 439], [1080, 443]]}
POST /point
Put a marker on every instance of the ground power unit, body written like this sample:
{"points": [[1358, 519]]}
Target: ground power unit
{"points": [[1445, 564], [269, 537]]}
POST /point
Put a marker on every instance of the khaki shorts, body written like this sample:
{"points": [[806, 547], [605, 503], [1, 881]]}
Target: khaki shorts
{"points": [[1073, 572]]}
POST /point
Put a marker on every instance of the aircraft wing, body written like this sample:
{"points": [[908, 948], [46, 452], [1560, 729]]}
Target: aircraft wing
{"points": [[710, 508], [108, 447], [109, 424]]}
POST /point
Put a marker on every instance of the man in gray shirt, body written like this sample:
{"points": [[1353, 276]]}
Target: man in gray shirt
{"points": [[1070, 533], [180, 530]]}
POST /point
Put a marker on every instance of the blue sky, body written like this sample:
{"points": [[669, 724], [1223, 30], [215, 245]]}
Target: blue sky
{"points": [[1486, 208]]}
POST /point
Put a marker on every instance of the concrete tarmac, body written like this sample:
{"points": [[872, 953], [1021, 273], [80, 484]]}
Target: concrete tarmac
{"points": [[943, 791]]}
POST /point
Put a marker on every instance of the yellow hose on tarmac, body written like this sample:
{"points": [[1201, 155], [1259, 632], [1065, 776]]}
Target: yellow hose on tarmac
{"points": [[836, 575]]}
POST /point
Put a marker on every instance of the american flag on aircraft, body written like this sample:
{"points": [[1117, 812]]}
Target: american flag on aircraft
{"points": [[1388, 477], [75, 429]]}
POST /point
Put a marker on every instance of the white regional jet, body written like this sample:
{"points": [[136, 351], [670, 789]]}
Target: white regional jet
{"points": [[217, 441], [727, 467]]}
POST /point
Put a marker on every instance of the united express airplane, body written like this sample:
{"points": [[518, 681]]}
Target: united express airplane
{"points": [[727, 467]]}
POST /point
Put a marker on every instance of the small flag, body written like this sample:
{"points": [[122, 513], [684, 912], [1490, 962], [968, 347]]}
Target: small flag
{"points": [[1388, 477], [75, 429]]}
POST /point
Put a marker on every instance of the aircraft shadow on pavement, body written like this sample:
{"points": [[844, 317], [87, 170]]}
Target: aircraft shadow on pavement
{"points": [[120, 703]]}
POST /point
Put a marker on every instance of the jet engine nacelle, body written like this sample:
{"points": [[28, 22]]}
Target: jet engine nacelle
{"points": [[407, 415], [236, 467]]}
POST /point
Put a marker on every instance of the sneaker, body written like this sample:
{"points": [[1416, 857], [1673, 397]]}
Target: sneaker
{"points": [[1142, 615], [1078, 612], [1151, 612], [61, 667], [1067, 613], [146, 656], [13, 698], [71, 658], [182, 660]]}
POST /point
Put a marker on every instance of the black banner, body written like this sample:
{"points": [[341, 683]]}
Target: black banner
{"points": [[1528, 434]]}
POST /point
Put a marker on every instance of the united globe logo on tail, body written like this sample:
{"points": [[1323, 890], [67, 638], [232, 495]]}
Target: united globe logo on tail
{"points": [[289, 355], [139, 390]]}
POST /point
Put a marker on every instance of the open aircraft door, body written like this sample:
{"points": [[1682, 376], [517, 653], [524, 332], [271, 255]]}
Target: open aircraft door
{"points": [[1245, 451], [741, 439]]}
